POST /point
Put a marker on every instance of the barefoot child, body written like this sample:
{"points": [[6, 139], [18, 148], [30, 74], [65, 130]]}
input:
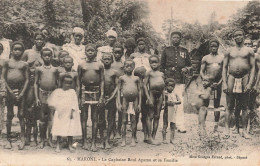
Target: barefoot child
{"points": [[110, 91], [91, 75], [2, 93], [33, 58], [130, 87], [118, 66], [68, 63], [46, 81], [154, 81], [15, 75], [66, 120], [172, 100]]}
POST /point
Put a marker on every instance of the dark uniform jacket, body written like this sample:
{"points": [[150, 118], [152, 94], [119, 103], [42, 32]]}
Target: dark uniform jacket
{"points": [[177, 57]]}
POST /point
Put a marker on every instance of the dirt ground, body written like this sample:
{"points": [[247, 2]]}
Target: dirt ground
{"points": [[187, 149]]}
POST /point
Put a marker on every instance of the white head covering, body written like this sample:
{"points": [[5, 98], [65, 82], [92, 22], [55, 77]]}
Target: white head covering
{"points": [[78, 30], [111, 32]]}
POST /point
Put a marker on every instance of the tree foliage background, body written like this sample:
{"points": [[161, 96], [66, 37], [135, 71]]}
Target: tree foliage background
{"points": [[21, 19], [247, 18]]}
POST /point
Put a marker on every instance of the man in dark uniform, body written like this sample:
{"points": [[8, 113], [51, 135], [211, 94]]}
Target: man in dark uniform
{"points": [[175, 62]]}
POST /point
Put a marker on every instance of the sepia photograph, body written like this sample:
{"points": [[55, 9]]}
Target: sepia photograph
{"points": [[129, 82]]}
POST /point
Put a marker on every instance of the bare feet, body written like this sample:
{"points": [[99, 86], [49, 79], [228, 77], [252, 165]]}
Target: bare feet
{"points": [[123, 143], [8, 146], [27, 142], [21, 145], [57, 149], [107, 145], [245, 135], [136, 141], [93, 148], [50, 143], [133, 143], [34, 144], [72, 150], [165, 142], [112, 136], [42, 144], [118, 136], [85, 146], [153, 142]]}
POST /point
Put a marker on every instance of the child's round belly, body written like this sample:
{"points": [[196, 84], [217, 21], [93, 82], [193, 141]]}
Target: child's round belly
{"points": [[157, 85], [130, 93], [15, 78]]}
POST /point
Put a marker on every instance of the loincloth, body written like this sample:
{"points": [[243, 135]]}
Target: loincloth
{"points": [[43, 95], [156, 93], [3, 90], [90, 95], [237, 85]]}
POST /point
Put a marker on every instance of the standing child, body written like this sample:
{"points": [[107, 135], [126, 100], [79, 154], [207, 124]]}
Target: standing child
{"points": [[46, 81], [2, 93], [118, 66], [110, 91], [154, 81], [130, 87], [15, 75], [66, 120], [91, 75], [68, 63], [171, 102], [33, 58]]}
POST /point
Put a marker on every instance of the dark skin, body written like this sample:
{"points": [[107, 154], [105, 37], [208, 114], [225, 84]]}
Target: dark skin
{"points": [[130, 87], [111, 40], [211, 70], [118, 66], [91, 73], [68, 63], [238, 62], [33, 58], [46, 78], [170, 87], [110, 90], [154, 79], [15, 75], [78, 38]]}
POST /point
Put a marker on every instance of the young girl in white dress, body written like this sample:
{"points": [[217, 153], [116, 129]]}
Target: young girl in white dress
{"points": [[172, 101], [66, 121]]}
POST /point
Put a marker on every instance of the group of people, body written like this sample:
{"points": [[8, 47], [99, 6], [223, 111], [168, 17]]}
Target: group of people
{"points": [[56, 89]]}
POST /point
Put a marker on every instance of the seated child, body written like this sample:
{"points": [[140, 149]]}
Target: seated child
{"points": [[66, 120], [172, 100]]}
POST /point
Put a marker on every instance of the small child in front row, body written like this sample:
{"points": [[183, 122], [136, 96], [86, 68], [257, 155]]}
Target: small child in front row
{"points": [[66, 120], [172, 101]]}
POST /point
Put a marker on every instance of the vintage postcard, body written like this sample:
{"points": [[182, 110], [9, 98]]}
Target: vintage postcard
{"points": [[129, 82]]}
